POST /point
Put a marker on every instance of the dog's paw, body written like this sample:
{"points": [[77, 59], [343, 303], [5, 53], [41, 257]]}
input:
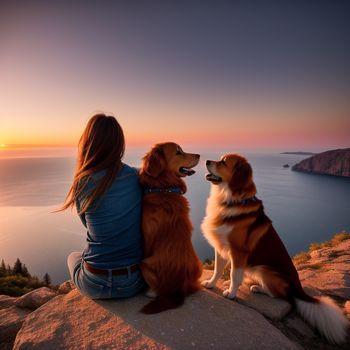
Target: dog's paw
{"points": [[255, 288], [228, 294], [208, 284], [150, 293]]}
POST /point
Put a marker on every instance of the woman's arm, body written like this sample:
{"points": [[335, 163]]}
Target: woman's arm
{"points": [[82, 216]]}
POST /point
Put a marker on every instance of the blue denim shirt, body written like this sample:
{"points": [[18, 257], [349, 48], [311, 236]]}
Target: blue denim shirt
{"points": [[114, 222]]}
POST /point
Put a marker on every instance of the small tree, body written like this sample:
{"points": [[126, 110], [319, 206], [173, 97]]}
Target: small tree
{"points": [[8, 270], [25, 272], [47, 279], [17, 267], [3, 268], [34, 282]]}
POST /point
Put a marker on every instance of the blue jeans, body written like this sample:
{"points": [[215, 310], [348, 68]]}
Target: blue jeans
{"points": [[97, 286]]}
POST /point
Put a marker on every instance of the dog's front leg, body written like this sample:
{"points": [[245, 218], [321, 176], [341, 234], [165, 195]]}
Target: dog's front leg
{"points": [[220, 263], [236, 278]]}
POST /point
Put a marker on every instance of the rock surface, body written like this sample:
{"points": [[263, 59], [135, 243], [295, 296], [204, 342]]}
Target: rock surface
{"points": [[35, 298], [66, 287], [328, 270], [295, 322], [274, 309], [334, 162], [347, 308], [6, 301], [11, 320], [206, 321]]}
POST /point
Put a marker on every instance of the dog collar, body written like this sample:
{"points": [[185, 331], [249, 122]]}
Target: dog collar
{"points": [[163, 190], [233, 202]]}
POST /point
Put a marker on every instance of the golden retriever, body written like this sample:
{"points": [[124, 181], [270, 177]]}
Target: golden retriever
{"points": [[170, 267], [237, 227]]}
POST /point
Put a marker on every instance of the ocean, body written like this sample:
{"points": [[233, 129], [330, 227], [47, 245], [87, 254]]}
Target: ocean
{"points": [[304, 208]]}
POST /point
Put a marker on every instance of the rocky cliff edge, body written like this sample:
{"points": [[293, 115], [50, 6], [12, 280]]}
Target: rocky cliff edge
{"points": [[67, 320]]}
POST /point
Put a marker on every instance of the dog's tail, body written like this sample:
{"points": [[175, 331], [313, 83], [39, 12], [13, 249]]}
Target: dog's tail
{"points": [[162, 303], [324, 315]]}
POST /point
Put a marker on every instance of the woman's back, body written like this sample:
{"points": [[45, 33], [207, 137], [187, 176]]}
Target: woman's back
{"points": [[113, 221], [107, 195]]}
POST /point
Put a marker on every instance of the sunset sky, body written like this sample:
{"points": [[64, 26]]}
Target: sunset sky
{"points": [[258, 74]]}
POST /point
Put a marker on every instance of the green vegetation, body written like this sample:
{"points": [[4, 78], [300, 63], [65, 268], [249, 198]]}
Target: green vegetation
{"points": [[339, 237], [333, 255], [16, 281], [303, 257], [315, 266]]}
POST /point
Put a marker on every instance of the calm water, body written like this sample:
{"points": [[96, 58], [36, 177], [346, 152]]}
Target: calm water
{"points": [[304, 208]]}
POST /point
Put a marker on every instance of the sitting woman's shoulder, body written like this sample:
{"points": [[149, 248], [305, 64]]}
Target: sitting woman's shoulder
{"points": [[124, 172], [129, 170]]}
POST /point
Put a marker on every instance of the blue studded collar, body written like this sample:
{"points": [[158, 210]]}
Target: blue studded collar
{"points": [[163, 190], [234, 202]]}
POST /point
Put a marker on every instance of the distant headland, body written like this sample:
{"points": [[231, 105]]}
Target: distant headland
{"points": [[300, 153], [335, 162]]}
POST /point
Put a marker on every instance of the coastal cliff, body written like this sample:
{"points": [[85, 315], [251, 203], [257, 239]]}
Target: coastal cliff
{"points": [[335, 162], [68, 320]]}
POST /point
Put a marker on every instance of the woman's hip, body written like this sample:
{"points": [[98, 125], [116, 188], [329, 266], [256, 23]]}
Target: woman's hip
{"points": [[106, 286]]}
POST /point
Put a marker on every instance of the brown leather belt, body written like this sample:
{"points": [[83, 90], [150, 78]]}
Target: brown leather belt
{"points": [[115, 272]]}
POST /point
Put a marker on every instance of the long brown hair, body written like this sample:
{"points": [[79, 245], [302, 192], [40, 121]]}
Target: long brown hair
{"points": [[101, 147]]}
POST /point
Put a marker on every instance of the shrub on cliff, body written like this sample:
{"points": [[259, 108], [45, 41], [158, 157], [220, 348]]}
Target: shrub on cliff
{"points": [[17, 280], [303, 257]]}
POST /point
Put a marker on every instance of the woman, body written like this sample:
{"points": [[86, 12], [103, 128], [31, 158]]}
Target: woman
{"points": [[107, 195]]}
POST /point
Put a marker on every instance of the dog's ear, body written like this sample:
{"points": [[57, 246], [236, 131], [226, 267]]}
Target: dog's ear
{"points": [[241, 177], [154, 162]]}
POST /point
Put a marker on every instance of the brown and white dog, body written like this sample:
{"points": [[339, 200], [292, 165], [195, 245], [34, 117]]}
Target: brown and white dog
{"points": [[237, 227], [170, 267]]}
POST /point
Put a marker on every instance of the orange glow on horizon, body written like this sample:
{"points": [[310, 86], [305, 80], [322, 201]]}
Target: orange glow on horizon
{"points": [[240, 127]]}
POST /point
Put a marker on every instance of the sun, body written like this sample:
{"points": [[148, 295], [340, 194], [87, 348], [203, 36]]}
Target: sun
{"points": [[2, 145]]}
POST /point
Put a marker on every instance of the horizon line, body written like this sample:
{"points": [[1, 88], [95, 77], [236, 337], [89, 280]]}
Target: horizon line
{"points": [[289, 148]]}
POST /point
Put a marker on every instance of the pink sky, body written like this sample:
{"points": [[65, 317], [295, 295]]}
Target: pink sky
{"points": [[210, 84]]}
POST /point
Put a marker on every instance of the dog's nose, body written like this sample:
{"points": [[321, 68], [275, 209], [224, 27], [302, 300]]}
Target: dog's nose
{"points": [[208, 162], [197, 156]]}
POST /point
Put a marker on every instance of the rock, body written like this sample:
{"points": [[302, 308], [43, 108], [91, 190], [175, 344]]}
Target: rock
{"points": [[334, 162], [316, 254], [272, 308], [66, 287], [342, 259], [331, 254], [328, 270], [331, 282], [6, 301], [205, 321], [35, 298], [297, 324], [312, 291], [347, 307], [11, 320]]}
